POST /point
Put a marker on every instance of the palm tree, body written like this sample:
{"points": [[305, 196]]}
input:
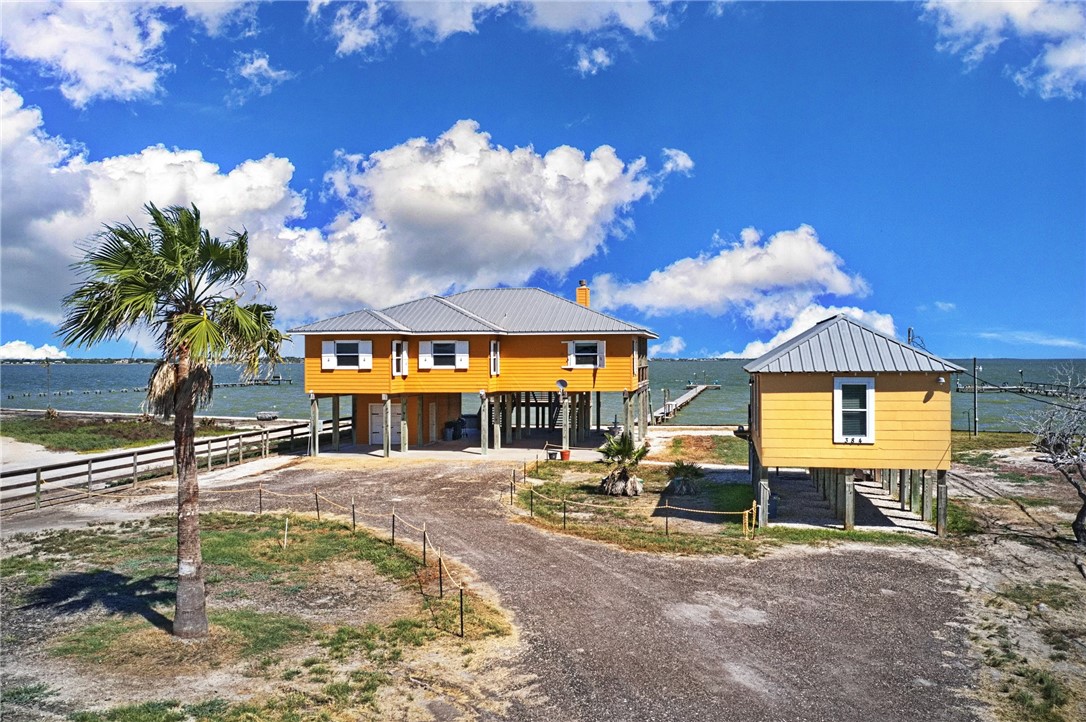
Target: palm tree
{"points": [[621, 451], [183, 285]]}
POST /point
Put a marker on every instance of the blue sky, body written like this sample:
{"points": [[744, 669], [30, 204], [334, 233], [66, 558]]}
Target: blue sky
{"points": [[726, 173]]}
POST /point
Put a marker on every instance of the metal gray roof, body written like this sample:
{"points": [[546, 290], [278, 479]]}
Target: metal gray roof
{"points": [[533, 310], [364, 320], [844, 345], [435, 315], [493, 311]]}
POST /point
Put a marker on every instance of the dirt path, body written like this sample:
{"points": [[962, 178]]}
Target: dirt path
{"points": [[852, 633]]}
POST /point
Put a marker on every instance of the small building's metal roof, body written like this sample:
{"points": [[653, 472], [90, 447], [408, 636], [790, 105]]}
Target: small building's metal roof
{"points": [[841, 344], [491, 311]]}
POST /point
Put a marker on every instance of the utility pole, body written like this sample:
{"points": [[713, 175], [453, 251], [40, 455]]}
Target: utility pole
{"points": [[976, 391]]}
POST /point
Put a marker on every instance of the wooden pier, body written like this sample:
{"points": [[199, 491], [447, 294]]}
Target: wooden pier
{"points": [[670, 408], [1033, 388]]}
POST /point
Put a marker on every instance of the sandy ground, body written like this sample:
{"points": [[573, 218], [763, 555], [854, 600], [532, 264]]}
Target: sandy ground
{"points": [[18, 454], [848, 632]]}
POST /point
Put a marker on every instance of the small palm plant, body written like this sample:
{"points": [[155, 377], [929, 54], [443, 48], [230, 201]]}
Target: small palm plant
{"points": [[621, 451], [683, 478]]}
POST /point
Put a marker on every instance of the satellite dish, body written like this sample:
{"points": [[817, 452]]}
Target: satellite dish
{"points": [[561, 384]]}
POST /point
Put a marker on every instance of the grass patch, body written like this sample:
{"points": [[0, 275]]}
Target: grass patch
{"points": [[68, 434], [1053, 594], [1039, 696], [798, 535], [1017, 477], [240, 549], [716, 449], [960, 519], [263, 633], [26, 694], [964, 444]]}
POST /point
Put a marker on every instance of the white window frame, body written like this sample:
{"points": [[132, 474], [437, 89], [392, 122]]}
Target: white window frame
{"points": [[330, 355], [461, 356], [571, 354], [495, 358], [839, 436], [399, 358]]}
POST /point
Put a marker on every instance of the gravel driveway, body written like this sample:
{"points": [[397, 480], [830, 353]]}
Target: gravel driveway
{"points": [[850, 633]]}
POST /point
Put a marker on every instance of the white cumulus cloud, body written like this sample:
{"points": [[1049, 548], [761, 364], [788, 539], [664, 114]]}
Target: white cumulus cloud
{"points": [[454, 212], [55, 198], [421, 217], [766, 280], [255, 76], [671, 347], [808, 317], [108, 50], [640, 17], [1055, 28], [18, 350], [592, 60]]}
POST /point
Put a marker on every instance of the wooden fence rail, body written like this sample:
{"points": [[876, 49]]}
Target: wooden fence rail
{"points": [[46, 484]]}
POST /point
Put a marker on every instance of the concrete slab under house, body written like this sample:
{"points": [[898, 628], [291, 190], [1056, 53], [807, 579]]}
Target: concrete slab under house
{"points": [[535, 362], [850, 404]]}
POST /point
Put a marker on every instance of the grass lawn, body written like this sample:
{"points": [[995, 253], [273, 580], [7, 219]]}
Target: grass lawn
{"points": [[721, 449], [254, 587], [968, 448], [66, 434]]}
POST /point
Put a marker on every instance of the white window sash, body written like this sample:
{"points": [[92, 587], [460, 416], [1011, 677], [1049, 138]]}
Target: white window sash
{"points": [[839, 436]]}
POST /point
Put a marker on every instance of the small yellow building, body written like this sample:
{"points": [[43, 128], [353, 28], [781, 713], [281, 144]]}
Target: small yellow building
{"points": [[533, 360], [843, 397]]}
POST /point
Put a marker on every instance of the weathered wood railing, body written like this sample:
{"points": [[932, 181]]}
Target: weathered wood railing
{"points": [[46, 484]]}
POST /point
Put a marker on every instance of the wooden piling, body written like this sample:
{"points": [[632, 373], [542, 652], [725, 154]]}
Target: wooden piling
{"points": [[941, 504], [850, 503]]}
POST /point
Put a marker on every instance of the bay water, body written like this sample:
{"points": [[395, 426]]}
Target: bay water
{"points": [[111, 387]]}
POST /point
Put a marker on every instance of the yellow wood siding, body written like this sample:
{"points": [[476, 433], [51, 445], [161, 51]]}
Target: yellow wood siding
{"points": [[535, 363], [911, 422], [528, 363]]}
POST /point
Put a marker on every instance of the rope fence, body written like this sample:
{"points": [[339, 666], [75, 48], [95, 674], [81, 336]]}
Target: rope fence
{"points": [[748, 517], [399, 527]]}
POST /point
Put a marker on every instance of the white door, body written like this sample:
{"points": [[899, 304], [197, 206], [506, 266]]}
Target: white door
{"points": [[433, 421], [377, 425]]}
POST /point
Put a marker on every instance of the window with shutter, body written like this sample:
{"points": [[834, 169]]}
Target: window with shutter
{"points": [[586, 354]]}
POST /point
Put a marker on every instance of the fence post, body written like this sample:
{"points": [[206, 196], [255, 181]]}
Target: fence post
{"points": [[317, 501], [209, 454], [260, 498], [512, 486], [135, 456], [940, 503], [531, 501], [37, 489], [292, 438], [352, 514], [667, 519], [393, 526], [440, 576], [241, 449], [423, 545], [89, 476], [563, 513], [461, 610]]}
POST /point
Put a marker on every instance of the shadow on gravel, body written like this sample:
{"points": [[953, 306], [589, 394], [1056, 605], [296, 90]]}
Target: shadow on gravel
{"points": [[116, 593]]}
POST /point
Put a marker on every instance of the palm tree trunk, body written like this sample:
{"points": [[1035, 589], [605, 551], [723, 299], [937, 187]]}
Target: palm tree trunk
{"points": [[190, 616]]}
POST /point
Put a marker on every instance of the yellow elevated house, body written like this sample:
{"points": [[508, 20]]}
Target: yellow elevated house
{"points": [[842, 398], [532, 360]]}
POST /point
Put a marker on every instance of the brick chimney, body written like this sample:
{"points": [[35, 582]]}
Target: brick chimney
{"points": [[584, 295]]}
